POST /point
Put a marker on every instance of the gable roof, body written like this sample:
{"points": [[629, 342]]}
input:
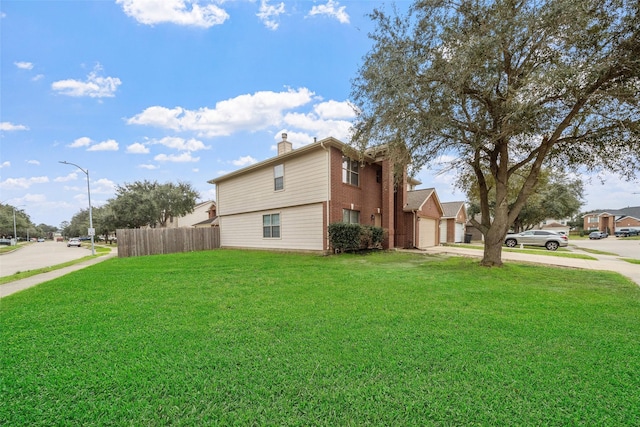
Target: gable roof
{"points": [[451, 209], [417, 198]]}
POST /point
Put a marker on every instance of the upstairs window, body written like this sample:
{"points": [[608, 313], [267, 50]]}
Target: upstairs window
{"points": [[350, 171], [278, 177], [271, 226], [350, 217]]}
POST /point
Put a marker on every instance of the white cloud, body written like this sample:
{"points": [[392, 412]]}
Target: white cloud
{"points": [[244, 161], [34, 198], [268, 14], [71, 177], [180, 158], [137, 148], [608, 191], [8, 126], [80, 142], [24, 65], [181, 144], [21, 183], [108, 145], [147, 166], [249, 112], [33, 162], [331, 9], [180, 12], [94, 87], [335, 110], [5, 164], [103, 186], [37, 77], [340, 129]]}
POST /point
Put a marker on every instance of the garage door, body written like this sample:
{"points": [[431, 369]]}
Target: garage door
{"points": [[459, 233], [427, 232], [443, 231]]}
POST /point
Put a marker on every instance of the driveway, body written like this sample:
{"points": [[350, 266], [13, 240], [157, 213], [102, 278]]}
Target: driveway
{"points": [[39, 255], [620, 246]]}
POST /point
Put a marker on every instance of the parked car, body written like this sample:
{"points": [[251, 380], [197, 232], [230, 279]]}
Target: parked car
{"points": [[74, 242], [626, 232], [598, 235], [549, 239], [40, 240]]}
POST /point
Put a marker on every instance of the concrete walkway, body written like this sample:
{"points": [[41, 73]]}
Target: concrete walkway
{"points": [[19, 285], [602, 262]]}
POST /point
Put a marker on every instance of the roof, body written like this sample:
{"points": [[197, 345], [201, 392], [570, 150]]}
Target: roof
{"points": [[417, 198], [319, 145], [451, 209], [208, 221], [632, 211]]}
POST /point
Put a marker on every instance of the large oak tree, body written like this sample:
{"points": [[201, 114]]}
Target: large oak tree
{"points": [[507, 86]]}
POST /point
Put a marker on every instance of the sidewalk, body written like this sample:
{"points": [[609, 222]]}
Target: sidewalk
{"points": [[19, 285], [602, 262]]}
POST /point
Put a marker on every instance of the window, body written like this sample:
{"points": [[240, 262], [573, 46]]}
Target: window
{"points": [[350, 217], [278, 177], [271, 226], [350, 171], [593, 219]]}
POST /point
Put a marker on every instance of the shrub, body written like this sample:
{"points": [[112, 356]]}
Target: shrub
{"points": [[351, 237]]}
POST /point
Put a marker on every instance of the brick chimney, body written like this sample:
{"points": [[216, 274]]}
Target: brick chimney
{"points": [[284, 146]]}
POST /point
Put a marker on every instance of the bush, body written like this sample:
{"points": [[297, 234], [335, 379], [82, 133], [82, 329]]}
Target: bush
{"points": [[352, 237]]}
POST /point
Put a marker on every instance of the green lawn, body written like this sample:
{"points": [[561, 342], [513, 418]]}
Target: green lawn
{"points": [[256, 338]]}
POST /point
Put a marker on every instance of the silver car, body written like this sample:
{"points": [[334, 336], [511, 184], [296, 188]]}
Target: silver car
{"points": [[549, 239]]}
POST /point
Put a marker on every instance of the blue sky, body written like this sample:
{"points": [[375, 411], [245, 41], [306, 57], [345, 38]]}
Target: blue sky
{"points": [[178, 90]]}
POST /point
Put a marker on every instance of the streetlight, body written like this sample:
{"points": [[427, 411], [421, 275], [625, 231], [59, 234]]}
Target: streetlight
{"points": [[92, 231]]}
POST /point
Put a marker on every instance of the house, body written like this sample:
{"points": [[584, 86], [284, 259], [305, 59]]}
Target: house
{"points": [[287, 202], [612, 219], [452, 223], [204, 214], [557, 225]]}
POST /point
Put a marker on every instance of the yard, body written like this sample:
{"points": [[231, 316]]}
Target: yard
{"points": [[257, 338]]}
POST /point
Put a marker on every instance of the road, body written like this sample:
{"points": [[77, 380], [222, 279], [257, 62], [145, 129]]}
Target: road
{"points": [[620, 246], [39, 255]]}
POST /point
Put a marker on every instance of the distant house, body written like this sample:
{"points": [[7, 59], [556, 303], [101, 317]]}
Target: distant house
{"points": [[287, 202], [203, 215], [612, 219], [453, 222], [554, 224]]}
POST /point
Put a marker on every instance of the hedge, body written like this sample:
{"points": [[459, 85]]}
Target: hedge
{"points": [[353, 237]]}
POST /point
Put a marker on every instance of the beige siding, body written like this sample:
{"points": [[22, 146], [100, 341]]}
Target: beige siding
{"points": [[305, 182], [300, 229]]}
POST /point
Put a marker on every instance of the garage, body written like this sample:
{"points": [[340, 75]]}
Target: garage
{"points": [[443, 231], [427, 232], [459, 233]]}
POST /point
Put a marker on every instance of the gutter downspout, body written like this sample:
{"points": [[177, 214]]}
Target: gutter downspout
{"points": [[326, 237]]}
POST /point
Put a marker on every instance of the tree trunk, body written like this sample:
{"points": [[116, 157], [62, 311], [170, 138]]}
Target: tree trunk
{"points": [[493, 241]]}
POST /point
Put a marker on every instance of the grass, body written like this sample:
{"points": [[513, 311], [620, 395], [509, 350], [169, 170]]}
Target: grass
{"points": [[631, 260], [534, 250], [100, 250], [257, 338]]}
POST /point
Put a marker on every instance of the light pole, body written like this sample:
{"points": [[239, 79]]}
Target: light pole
{"points": [[92, 231]]}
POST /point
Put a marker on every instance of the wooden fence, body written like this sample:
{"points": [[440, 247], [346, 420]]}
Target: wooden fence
{"points": [[153, 241]]}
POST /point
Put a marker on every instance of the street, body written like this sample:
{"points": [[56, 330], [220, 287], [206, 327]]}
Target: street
{"points": [[621, 246], [39, 255]]}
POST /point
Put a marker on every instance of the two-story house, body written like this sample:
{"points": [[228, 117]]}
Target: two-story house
{"points": [[287, 202], [612, 219]]}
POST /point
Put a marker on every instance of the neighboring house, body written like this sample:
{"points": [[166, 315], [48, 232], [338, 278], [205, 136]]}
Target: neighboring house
{"points": [[287, 202], [452, 223], [612, 219], [204, 214], [423, 225], [553, 224]]}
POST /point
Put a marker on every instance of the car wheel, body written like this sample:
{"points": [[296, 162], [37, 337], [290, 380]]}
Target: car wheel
{"points": [[552, 246], [511, 243]]}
